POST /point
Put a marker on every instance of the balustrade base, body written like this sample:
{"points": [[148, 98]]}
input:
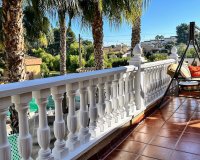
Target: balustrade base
{"points": [[72, 144], [45, 155], [60, 153], [84, 135]]}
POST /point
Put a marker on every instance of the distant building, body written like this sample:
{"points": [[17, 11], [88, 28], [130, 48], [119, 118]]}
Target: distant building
{"points": [[157, 44], [32, 67], [116, 48]]}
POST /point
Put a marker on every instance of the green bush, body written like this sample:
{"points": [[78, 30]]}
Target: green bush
{"points": [[44, 69], [90, 62], [117, 62], [52, 62], [106, 62], [157, 57], [74, 63]]}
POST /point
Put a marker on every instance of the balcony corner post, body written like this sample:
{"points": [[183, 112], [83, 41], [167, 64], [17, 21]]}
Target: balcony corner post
{"points": [[174, 54], [137, 60]]}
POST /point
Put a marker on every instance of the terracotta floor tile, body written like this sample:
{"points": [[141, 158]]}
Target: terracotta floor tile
{"points": [[193, 127], [189, 147], [153, 124], [191, 137], [119, 155], [177, 120], [182, 115], [147, 129], [177, 155], [145, 158], [174, 126], [157, 152], [169, 133], [164, 142], [140, 137], [131, 146]]}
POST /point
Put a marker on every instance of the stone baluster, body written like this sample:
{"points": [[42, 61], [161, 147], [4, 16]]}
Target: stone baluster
{"points": [[72, 141], [145, 86], [108, 101], [101, 104], [148, 85], [161, 85], [156, 82], [84, 135], [115, 102], [92, 108], [25, 140], [127, 95], [60, 150], [151, 84], [5, 149], [121, 96], [132, 92], [43, 132]]}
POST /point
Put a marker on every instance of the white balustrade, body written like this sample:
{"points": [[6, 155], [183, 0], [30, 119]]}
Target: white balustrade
{"points": [[119, 95], [155, 75]]}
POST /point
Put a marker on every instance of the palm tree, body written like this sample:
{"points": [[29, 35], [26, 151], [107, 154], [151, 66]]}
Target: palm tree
{"points": [[92, 16], [62, 7], [133, 16], [13, 39]]}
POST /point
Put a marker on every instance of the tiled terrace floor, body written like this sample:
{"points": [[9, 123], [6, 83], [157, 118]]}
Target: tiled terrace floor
{"points": [[170, 133]]}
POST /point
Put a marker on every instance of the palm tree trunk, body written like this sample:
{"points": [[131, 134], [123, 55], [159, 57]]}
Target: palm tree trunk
{"points": [[63, 46], [14, 48], [13, 39], [136, 30], [97, 31]]}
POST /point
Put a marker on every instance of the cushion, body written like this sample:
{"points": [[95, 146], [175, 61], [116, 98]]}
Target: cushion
{"points": [[185, 72], [195, 71]]}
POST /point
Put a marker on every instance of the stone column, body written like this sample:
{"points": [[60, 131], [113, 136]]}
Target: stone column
{"points": [[108, 100], [60, 150], [72, 141], [121, 96], [43, 132], [115, 102], [5, 149], [84, 135], [101, 104], [25, 140], [92, 109]]}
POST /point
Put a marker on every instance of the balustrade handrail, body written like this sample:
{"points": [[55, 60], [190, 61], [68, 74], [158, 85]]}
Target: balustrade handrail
{"points": [[38, 84], [157, 63]]}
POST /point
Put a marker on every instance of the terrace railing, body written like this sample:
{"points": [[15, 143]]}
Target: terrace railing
{"points": [[108, 99]]}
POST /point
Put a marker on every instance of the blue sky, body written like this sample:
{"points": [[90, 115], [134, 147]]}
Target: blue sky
{"points": [[161, 18]]}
